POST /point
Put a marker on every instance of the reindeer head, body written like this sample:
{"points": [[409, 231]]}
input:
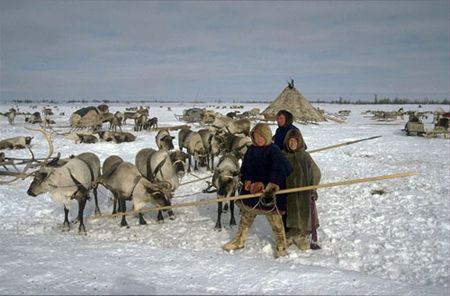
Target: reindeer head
{"points": [[160, 192], [227, 181], [167, 142], [178, 159], [40, 183]]}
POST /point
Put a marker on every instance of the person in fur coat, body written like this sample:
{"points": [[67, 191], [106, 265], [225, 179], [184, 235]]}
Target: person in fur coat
{"points": [[264, 169], [301, 216], [285, 121]]}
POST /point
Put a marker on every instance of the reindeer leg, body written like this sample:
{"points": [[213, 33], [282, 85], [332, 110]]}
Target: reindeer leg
{"points": [[122, 209], [115, 204], [66, 224], [170, 212], [195, 164], [225, 208], [160, 217], [97, 209], [141, 219], [232, 219], [189, 166], [218, 226], [207, 162], [81, 205]]}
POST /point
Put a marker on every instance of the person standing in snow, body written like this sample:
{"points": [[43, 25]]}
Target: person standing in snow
{"points": [[285, 121], [301, 215], [264, 169]]}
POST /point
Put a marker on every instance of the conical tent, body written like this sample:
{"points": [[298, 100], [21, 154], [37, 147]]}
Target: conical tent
{"points": [[293, 101]]}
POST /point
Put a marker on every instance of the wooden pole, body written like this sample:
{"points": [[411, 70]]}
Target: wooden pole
{"points": [[343, 144], [193, 181], [247, 196]]}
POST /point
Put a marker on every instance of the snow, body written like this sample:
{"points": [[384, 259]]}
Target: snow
{"points": [[391, 243]]}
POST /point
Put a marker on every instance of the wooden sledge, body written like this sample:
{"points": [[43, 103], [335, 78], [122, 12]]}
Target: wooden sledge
{"points": [[434, 133], [171, 128], [334, 118]]}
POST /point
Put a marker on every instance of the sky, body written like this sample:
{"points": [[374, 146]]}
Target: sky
{"points": [[227, 50]]}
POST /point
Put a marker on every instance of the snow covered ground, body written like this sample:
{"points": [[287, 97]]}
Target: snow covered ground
{"points": [[393, 243]]}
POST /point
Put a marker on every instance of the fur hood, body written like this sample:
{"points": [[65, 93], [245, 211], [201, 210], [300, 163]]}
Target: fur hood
{"points": [[264, 130], [294, 133], [288, 115]]}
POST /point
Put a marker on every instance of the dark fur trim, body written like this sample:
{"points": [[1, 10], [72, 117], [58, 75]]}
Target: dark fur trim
{"points": [[288, 115]]}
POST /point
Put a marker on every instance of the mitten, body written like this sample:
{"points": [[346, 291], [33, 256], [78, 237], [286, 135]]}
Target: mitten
{"points": [[256, 187], [268, 196], [247, 185]]}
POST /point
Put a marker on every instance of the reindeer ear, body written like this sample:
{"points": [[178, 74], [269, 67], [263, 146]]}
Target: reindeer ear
{"points": [[151, 188], [166, 185]]}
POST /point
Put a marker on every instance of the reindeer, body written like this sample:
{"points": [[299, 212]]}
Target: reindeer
{"points": [[73, 180], [211, 145], [192, 141], [129, 115], [16, 143], [231, 143], [34, 118], [106, 136], [125, 181], [116, 121], [151, 123], [85, 138], [124, 137], [157, 165], [164, 140], [11, 115], [66, 180], [140, 122], [226, 181], [134, 115], [117, 137], [226, 124], [47, 121]]}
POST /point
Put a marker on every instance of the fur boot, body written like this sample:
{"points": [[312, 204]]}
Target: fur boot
{"points": [[278, 230], [302, 242], [246, 222]]}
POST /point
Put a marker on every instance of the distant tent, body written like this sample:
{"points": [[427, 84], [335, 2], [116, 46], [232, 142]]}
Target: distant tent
{"points": [[86, 117], [293, 101], [439, 110]]}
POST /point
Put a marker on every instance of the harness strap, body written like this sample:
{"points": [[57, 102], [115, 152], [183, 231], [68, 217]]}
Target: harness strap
{"points": [[149, 170], [80, 186], [90, 169], [136, 181], [114, 168]]}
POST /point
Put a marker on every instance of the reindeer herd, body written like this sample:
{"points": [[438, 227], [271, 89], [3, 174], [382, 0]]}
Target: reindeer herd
{"points": [[151, 180]]}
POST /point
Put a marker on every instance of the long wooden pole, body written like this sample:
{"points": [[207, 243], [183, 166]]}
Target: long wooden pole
{"points": [[343, 144], [311, 151], [193, 181], [247, 196]]}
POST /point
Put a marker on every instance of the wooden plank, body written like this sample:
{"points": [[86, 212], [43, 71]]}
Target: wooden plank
{"points": [[171, 128]]}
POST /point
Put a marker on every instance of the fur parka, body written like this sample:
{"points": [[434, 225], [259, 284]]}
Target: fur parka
{"points": [[305, 173], [265, 164]]}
